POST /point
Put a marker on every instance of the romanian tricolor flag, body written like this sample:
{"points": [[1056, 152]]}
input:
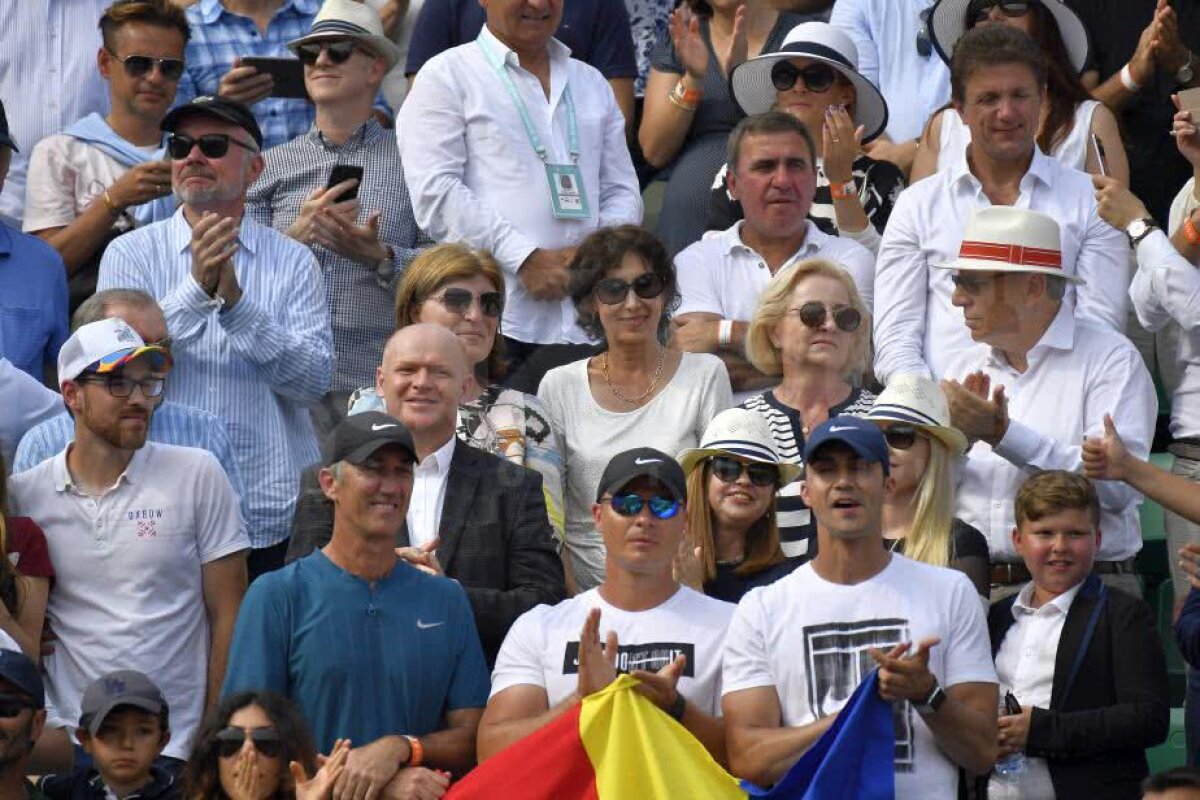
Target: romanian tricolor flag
{"points": [[617, 744]]}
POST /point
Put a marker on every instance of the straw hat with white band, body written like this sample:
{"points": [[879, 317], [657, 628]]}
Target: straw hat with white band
{"points": [[740, 433], [754, 92], [348, 19], [920, 402], [948, 22], [1008, 239]]}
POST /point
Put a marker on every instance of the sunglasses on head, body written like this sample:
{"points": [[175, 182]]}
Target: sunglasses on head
{"points": [[630, 505], [924, 43], [266, 741], [728, 470], [980, 10], [901, 435], [816, 77], [11, 705], [612, 291], [339, 51], [212, 145], [138, 66], [813, 315], [459, 301]]}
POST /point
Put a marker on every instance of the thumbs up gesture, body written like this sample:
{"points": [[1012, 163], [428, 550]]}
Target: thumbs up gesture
{"points": [[1105, 458]]}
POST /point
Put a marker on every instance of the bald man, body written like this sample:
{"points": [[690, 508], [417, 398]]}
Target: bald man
{"points": [[473, 516]]}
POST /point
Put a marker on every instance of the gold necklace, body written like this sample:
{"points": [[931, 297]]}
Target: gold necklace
{"points": [[662, 357]]}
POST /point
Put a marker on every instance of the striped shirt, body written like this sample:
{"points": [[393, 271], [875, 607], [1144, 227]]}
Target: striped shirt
{"points": [[48, 79], [170, 424], [797, 533], [258, 366], [361, 305]]}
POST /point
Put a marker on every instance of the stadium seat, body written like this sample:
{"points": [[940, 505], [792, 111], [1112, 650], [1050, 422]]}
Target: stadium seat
{"points": [[1172, 752]]}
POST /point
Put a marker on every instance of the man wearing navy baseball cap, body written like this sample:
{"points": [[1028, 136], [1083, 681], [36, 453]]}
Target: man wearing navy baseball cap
{"points": [[855, 607], [22, 717]]}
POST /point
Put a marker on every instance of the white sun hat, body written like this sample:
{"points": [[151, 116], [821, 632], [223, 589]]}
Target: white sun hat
{"points": [[920, 402], [740, 433], [948, 22], [348, 19]]}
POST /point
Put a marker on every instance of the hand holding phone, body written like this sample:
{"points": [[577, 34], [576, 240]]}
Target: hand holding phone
{"points": [[341, 173], [1101, 158], [1010, 704]]}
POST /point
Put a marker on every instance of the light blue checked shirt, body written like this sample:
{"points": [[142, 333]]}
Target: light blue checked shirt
{"points": [[171, 424], [258, 366]]}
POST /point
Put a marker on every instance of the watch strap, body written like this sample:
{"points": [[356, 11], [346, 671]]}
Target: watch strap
{"points": [[841, 191], [1148, 226], [934, 701], [678, 707]]}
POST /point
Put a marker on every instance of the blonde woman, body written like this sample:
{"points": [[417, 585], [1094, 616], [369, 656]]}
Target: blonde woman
{"points": [[812, 329], [733, 536], [918, 517]]}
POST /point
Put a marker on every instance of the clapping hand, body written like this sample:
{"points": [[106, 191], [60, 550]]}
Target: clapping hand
{"points": [[684, 27], [320, 785], [979, 418], [904, 677], [841, 142], [597, 663], [661, 687], [214, 242]]}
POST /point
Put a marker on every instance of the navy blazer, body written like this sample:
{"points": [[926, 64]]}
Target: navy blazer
{"points": [[1109, 700]]}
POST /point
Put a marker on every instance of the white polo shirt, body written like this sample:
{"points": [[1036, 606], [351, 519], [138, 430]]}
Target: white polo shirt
{"points": [[127, 591], [720, 274]]}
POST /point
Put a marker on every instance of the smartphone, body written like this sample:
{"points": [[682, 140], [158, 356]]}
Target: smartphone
{"points": [[287, 72], [1101, 159], [1189, 99], [344, 172], [1010, 703]]}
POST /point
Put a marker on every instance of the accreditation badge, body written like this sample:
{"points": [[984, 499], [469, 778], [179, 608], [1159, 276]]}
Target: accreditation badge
{"points": [[566, 191]]}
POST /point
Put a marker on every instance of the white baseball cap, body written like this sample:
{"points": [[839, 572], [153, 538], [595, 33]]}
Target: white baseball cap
{"points": [[108, 345]]}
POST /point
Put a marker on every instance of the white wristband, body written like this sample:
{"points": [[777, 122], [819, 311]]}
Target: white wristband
{"points": [[725, 332], [1127, 80]]}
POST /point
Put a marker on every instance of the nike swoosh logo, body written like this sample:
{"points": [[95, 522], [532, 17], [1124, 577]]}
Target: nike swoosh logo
{"points": [[836, 429], [384, 426], [427, 625], [642, 461]]}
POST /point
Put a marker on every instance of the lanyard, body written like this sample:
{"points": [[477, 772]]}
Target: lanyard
{"points": [[534, 139]]}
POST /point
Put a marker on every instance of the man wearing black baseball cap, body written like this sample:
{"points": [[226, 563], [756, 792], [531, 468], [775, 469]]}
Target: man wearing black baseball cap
{"points": [[22, 717], [666, 634], [407, 638], [799, 647]]}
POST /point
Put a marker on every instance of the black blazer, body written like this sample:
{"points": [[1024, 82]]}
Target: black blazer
{"points": [[1101, 720], [495, 538]]}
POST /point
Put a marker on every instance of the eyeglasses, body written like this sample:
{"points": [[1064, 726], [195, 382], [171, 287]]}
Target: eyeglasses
{"points": [[266, 741], [924, 43], [816, 77], [339, 51], [458, 301], [11, 705], [137, 66], [212, 145], [814, 314], [971, 284], [979, 10], [900, 436], [647, 286], [119, 386], [728, 470], [630, 505]]}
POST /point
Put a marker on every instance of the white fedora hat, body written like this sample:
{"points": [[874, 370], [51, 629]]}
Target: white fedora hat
{"points": [[741, 433], [349, 19], [1008, 239], [754, 93], [948, 23], [920, 402]]}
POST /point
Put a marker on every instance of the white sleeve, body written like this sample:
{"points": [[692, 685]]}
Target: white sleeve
{"points": [[1184, 203], [1166, 286], [901, 295], [851, 19], [219, 527], [50, 187], [698, 290], [968, 653], [859, 264], [1103, 263], [744, 663], [718, 393], [620, 197], [519, 662]]}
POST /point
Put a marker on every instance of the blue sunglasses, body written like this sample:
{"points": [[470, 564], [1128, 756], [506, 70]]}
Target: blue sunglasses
{"points": [[630, 505]]}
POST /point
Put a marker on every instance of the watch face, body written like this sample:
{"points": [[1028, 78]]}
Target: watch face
{"points": [[1136, 228]]}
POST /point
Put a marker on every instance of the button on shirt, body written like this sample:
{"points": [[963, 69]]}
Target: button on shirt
{"points": [[424, 516], [475, 177], [917, 328], [1025, 666], [361, 304], [259, 366], [1078, 372], [33, 301]]}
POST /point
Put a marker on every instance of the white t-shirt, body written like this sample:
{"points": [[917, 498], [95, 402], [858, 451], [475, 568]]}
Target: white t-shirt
{"points": [[542, 647], [589, 436], [808, 638], [65, 177], [127, 592]]}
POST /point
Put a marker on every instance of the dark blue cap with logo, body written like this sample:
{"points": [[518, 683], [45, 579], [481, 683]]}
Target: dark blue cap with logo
{"points": [[20, 671], [862, 436]]}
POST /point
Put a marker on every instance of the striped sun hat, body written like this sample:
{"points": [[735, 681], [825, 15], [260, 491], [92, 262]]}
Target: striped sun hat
{"points": [[1007, 239], [740, 433], [921, 403], [348, 19]]}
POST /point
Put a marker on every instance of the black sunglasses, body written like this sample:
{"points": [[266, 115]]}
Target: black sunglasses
{"points": [[728, 470], [266, 741], [816, 77], [137, 66], [119, 386], [11, 705], [980, 10], [924, 43], [630, 505], [339, 52], [212, 145], [813, 315], [647, 286], [971, 284], [459, 301], [901, 435]]}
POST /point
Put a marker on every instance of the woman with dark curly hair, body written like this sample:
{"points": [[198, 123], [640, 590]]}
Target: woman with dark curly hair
{"points": [[636, 392], [255, 745]]}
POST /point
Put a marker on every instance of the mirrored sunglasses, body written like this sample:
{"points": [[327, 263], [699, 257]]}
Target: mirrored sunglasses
{"points": [[813, 315], [630, 505], [728, 470], [612, 291]]}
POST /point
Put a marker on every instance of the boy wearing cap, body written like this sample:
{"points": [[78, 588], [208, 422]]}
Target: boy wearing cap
{"points": [[667, 635], [123, 727], [145, 538], [798, 648]]}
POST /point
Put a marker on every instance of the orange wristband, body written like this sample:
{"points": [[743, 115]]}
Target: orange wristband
{"points": [[416, 751], [841, 191], [1190, 232]]}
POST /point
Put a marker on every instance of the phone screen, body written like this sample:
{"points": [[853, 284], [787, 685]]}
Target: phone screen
{"points": [[1100, 156], [344, 172]]}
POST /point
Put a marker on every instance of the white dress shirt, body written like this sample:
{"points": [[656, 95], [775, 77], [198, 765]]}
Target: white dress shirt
{"points": [[1025, 666], [1078, 372], [429, 494], [475, 178], [917, 328]]}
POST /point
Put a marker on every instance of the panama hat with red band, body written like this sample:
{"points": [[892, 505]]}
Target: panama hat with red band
{"points": [[1007, 239]]}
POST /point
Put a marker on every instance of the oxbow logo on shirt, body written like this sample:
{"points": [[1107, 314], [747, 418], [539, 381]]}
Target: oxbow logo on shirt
{"points": [[146, 519]]}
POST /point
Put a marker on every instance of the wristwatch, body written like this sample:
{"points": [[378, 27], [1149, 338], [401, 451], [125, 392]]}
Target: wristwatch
{"points": [[1186, 72], [1139, 229], [933, 702]]}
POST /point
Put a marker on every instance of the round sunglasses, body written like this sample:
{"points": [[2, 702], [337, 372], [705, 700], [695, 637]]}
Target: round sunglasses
{"points": [[458, 301], [813, 314], [901, 435], [266, 741], [339, 51], [630, 505], [816, 77], [139, 66], [647, 286], [212, 145], [980, 10], [728, 470]]}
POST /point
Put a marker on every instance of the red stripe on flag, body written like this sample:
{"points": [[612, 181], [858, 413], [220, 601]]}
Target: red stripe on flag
{"points": [[1012, 254]]}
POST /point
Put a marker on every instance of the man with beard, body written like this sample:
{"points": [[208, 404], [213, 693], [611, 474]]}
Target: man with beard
{"points": [[23, 701], [146, 539]]}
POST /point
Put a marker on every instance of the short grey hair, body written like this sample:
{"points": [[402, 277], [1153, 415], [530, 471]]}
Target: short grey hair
{"points": [[96, 307]]}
